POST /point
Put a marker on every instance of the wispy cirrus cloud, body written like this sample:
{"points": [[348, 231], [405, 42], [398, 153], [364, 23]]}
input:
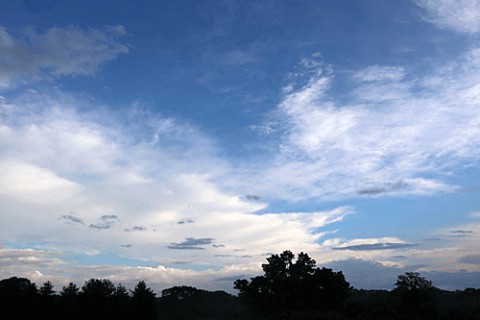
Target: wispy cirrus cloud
{"points": [[60, 51], [392, 133], [457, 15]]}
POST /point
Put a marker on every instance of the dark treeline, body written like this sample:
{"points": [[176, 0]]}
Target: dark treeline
{"points": [[291, 288]]}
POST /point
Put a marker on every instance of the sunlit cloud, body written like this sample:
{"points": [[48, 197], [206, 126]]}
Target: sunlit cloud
{"points": [[83, 185]]}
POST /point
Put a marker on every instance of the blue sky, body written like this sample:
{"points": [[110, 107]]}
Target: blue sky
{"points": [[183, 142]]}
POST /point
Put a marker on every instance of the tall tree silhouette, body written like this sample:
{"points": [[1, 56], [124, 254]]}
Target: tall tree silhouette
{"points": [[46, 289], [289, 284], [143, 299]]}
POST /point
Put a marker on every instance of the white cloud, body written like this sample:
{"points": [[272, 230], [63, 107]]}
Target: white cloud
{"points": [[390, 135], [380, 73], [66, 51], [458, 15], [78, 183]]}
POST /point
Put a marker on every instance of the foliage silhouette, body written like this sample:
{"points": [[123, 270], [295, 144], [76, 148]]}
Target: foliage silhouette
{"points": [[180, 292], [295, 285], [46, 289], [70, 290], [415, 295], [412, 283], [143, 299]]}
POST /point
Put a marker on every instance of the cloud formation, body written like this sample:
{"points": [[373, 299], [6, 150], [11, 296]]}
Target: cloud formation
{"points": [[72, 218], [191, 244], [157, 175], [377, 246], [106, 222], [67, 51], [457, 15], [393, 133]]}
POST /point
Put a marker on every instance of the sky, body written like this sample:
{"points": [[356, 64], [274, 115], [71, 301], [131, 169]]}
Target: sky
{"points": [[184, 142]]}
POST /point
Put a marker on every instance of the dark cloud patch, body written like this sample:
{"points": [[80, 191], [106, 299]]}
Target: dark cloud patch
{"points": [[109, 217], [384, 188], [239, 250], [101, 226], [222, 255], [372, 191], [432, 239], [250, 197], [69, 218], [377, 246], [178, 263], [128, 245], [232, 278], [185, 221], [191, 244], [136, 228], [106, 222], [218, 245], [462, 233], [471, 259]]}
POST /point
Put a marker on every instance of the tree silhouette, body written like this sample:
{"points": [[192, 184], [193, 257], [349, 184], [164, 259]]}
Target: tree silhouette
{"points": [[412, 282], [121, 293], [143, 299], [179, 292], [98, 289], [46, 289], [289, 284], [415, 294], [70, 290], [18, 297]]}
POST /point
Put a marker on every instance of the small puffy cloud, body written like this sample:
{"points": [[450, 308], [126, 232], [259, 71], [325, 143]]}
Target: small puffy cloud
{"points": [[461, 16], [67, 51]]}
